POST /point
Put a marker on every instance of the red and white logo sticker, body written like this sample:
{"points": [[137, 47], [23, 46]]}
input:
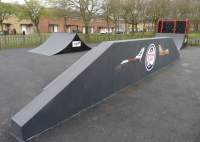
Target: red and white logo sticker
{"points": [[150, 57]]}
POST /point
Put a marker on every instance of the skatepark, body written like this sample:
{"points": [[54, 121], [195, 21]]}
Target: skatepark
{"points": [[161, 104]]}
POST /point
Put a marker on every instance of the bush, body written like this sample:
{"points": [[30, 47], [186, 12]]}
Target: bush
{"points": [[23, 32], [15, 31]]}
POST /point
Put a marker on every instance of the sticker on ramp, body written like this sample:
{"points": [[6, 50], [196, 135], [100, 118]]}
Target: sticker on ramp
{"points": [[150, 57], [162, 51], [76, 44], [133, 61]]}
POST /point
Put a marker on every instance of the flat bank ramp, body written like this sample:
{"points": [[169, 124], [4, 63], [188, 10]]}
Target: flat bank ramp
{"points": [[93, 78], [180, 40], [59, 43]]}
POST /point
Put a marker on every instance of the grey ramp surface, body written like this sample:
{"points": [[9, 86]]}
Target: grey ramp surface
{"points": [[179, 39], [59, 42], [87, 82], [23, 76]]}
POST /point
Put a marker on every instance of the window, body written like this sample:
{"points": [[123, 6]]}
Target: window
{"points": [[92, 20], [98, 20]]}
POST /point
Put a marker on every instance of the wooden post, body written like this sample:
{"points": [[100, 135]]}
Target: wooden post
{"points": [[40, 40], [5, 41], [0, 43]]}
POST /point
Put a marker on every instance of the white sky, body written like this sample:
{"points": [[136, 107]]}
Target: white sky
{"points": [[10, 1]]}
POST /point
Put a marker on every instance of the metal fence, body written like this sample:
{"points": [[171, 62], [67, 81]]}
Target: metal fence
{"points": [[17, 41]]}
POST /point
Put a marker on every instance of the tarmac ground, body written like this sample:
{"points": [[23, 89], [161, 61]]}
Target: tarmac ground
{"points": [[162, 107]]}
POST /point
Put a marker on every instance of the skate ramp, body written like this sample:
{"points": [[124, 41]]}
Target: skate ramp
{"points": [[93, 78], [180, 40], [59, 43]]}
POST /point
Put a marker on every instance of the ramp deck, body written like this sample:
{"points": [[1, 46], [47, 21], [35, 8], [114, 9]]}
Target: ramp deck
{"points": [[163, 107]]}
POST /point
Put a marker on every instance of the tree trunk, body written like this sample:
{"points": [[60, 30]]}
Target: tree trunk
{"points": [[118, 24], [65, 26], [152, 27], [155, 27], [38, 31], [1, 21], [107, 20], [86, 30], [136, 28], [143, 28], [126, 27], [132, 28], [115, 21]]}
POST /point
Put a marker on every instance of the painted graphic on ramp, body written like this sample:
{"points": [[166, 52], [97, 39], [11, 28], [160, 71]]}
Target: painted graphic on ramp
{"points": [[130, 62], [150, 57], [163, 52]]}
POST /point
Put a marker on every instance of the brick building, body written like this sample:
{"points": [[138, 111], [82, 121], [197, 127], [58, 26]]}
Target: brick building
{"points": [[58, 25], [13, 23]]}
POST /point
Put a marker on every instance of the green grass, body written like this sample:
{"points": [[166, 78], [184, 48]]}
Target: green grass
{"points": [[194, 34]]}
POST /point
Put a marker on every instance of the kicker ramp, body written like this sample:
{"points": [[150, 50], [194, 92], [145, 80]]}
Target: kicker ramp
{"points": [[180, 40], [99, 74], [59, 43]]}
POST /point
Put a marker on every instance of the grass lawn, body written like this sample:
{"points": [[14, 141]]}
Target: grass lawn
{"points": [[194, 34]]}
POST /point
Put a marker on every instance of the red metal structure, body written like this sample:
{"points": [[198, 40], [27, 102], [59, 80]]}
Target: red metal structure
{"points": [[173, 26]]}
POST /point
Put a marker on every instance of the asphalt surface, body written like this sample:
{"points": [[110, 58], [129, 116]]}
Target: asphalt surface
{"points": [[163, 107]]}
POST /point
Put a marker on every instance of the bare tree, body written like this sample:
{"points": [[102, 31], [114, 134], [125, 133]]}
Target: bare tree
{"points": [[158, 9], [86, 9], [34, 10], [106, 12], [144, 14], [124, 12], [115, 13], [134, 12], [61, 8]]}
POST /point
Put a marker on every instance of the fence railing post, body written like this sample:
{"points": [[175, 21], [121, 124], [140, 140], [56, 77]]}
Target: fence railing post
{"points": [[0, 43], [24, 41], [40, 40]]}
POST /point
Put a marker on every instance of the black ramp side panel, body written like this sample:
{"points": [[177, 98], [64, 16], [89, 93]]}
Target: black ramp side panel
{"points": [[59, 43], [180, 40], [159, 26], [102, 72], [180, 27], [168, 27]]}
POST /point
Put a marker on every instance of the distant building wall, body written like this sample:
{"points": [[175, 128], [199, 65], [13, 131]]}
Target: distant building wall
{"points": [[58, 25]]}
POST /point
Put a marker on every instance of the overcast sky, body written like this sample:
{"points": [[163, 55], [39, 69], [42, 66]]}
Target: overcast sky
{"points": [[9, 1]]}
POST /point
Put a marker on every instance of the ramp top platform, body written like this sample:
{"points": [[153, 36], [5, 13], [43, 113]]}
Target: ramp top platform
{"points": [[173, 26]]}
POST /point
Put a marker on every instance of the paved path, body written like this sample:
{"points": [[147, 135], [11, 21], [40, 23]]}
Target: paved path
{"points": [[163, 107]]}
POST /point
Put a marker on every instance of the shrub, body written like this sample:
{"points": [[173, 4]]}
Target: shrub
{"points": [[15, 31]]}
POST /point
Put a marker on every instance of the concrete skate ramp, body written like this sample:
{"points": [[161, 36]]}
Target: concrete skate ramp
{"points": [[179, 39], [59, 43], [93, 78]]}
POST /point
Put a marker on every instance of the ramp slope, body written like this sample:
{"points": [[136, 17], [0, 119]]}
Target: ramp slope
{"points": [[179, 39], [99, 74], [59, 43]]}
